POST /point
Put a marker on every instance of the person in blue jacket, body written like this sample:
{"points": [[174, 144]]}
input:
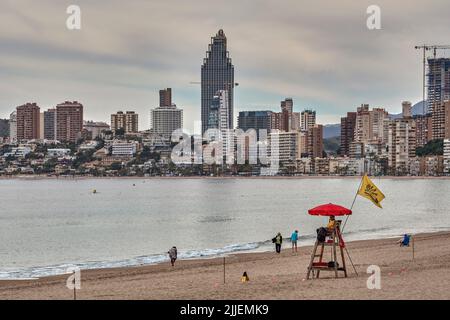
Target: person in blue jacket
{"points": [[294, 238]]}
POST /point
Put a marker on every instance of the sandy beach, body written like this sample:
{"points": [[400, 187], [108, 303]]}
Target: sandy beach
{"points": [[272, 276]]}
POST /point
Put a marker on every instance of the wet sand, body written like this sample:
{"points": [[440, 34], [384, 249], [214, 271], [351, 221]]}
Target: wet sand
{"points": [[272, 276]]}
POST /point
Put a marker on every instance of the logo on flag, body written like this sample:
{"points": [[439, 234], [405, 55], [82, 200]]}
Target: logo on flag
{"points": [[370, 191]]}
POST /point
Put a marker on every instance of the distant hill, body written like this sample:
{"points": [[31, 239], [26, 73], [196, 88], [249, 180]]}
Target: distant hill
{"points": [[331, 130], [331, 145]]}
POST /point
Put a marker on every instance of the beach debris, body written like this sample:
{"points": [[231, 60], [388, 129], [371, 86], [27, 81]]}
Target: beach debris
{"points": [[94, 191]]}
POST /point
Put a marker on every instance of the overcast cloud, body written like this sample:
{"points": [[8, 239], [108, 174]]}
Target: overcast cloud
{"points": [[320, 53]]}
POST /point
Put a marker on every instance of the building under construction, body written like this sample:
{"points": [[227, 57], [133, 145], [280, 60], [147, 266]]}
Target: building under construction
{"points": [[438, 81]]}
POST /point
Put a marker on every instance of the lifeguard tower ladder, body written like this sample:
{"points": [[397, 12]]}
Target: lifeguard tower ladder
{"points": [[333, 240]]}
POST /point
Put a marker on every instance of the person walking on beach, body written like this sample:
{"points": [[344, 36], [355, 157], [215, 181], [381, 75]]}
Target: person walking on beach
{"points": [[172, 255], [278, 240], [294, 238]]}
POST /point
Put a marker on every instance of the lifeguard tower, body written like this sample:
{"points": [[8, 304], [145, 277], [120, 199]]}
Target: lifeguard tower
{"points": [[336, 263], [333, 241]]}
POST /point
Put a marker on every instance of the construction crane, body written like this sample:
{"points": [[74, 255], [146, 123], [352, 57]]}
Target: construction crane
{"points": [[425, 48]]}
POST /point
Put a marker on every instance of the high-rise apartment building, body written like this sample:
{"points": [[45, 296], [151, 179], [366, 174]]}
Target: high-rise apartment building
{"points": [[286, 120], [13, 127], [127, 121], [287, 145], [315, 141], [28, 121], [217, 73], [50, 124], [441, 120], [438, 81], [369, 125], [167, 117], [377, 119], [307, 119], [362, 126], [424, 129], [401, 145], [255, 120], [406, 109], [348, 124], [69, 121], [165, 97]]}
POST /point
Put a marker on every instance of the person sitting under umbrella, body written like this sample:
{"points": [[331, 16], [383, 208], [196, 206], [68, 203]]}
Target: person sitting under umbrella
{"points": [[331, 224]]}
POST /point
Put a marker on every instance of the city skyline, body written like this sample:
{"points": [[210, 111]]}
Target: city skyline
{"points": [[113, 63]]}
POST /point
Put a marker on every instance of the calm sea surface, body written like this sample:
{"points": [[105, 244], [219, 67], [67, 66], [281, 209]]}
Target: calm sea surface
{"points": [[49, 225]]}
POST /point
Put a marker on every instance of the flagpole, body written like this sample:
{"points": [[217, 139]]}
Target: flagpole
{"points": [[354, 199]]}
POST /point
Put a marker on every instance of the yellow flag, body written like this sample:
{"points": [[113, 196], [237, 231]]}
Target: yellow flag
{"points": [[370, 191]]}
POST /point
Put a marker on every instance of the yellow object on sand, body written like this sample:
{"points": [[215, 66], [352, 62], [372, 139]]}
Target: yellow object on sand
{"points": [[370, 191]]}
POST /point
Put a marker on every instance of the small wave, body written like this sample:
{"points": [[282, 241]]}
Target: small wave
{"points": [[44, 271]]}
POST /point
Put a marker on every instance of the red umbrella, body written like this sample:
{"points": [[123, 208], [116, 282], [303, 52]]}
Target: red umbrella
{"points": [[329, 210]]}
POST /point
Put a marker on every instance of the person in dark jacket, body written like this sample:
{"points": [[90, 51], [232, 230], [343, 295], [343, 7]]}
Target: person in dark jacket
{"points": [[278, 240], [172, 255]]}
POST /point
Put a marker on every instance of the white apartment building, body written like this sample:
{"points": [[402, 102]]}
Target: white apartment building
{"points": [[19, 152], [288, 145], [58, 152], [401, 145], [13, 127], [446, 156], [123, 149], [166, 119]]}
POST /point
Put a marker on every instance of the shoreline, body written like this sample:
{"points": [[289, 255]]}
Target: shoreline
{"points": [[300, 177], [272, 276]]}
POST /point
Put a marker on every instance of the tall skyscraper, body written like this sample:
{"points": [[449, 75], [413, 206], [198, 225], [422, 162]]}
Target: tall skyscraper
{"points": [[69, 121], [127, 121], [167, 117], [315, 141], [441, 120], [401, 145], [217, 73], [438, 81], [165, 97], [50, 124], [348, 124], [424, 128], [370, 124], [406, 109], [13, 127], [287, 105], [307, 119], [28, 121]]}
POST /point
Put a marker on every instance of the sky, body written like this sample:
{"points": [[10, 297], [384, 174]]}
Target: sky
{"points": [[320, 53]]}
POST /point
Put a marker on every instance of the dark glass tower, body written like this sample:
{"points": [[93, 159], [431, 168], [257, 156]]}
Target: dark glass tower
{"points": [[217, 74]]}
